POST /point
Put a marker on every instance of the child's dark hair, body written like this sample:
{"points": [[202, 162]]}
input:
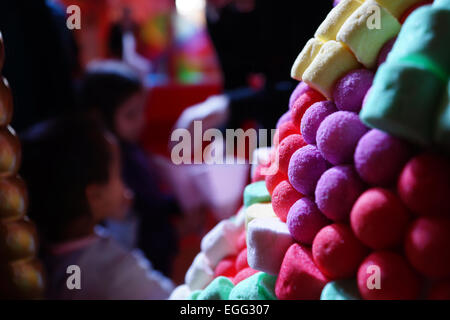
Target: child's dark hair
{"points": [[60, 159], [105, 86]]}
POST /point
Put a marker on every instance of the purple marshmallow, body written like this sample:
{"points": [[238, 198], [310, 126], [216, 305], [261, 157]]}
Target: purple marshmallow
{"points": [[336, 2], [337, 191], [298, 91], [284, 118], [350, 90], [305, 168], [338, 136], [382, 56], [313, 117], [379, 157], [305, 220]]}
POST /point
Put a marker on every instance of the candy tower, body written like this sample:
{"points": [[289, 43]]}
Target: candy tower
{"points": [[21, 274], [358, 205]]}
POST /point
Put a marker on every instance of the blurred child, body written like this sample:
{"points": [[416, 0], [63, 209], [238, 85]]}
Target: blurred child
{"points": [[116, 92], [73, 171]]}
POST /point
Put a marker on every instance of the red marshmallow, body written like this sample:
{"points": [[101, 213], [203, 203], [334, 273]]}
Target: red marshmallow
{"points": [[302, 104], [241, 261], [299, 277], [283, 197], [257, 176], [439, 291], [379, 219], [286, 129], [226, 267], [397, 279], [241, 242], [424, 185], [272, 181], [427, 246], [337, 252], [287, 148], [243, 274]]}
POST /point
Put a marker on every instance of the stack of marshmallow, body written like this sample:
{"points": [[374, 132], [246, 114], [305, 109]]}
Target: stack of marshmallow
{"points": [[352, 209]]}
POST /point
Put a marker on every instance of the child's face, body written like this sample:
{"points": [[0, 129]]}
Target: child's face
{"points": [[111, 200], [129, 120]]}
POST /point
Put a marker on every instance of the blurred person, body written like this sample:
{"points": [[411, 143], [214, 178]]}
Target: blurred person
{"points": [[41, 59], [116, 93], [257, 42], [73, 171], [123, 42]]}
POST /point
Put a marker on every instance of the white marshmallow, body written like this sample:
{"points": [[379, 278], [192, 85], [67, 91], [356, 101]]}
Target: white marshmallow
{"points": [[239, 219], [199, 274], [220, 242], [181, 292], [268, 239]]}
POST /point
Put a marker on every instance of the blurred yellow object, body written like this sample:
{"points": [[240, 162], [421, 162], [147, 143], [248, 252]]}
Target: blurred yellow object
{"points": [[305, 58], [332, 62], [258, 210], [366, 42], [330, 27]]}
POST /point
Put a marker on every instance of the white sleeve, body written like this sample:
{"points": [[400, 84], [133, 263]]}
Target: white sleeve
{"points": [[134, 278]]}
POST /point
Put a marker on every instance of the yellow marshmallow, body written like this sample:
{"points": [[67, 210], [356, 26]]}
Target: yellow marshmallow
{"points": [[305, 58], [362, 34], [336, 18], [397, 7], [258, 210], [332, 62]]}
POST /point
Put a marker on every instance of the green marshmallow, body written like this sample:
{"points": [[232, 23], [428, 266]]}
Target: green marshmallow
{"points": [[260, 286], [218, 289], [341, 290], [256, 193], [444, 4], [422, 38], [442, 131], [194, 294], [403, 101]]}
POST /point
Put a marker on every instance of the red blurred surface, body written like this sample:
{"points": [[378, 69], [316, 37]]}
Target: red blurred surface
{"points": [[165, 104]]}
